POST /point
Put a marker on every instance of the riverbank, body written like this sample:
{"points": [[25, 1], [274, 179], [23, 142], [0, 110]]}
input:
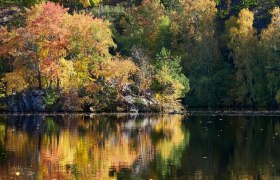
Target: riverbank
{"points": [[234, 113], [187, 113]]}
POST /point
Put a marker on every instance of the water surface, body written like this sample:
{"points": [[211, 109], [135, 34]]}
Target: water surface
{"points": [[139, 147]]}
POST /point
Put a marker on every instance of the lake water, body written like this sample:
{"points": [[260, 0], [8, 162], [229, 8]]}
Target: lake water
{"points": [[139, 147]]}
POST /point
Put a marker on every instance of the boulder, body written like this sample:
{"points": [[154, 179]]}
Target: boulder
{"points": [[28, 101], [129, 99], [139, 103]]}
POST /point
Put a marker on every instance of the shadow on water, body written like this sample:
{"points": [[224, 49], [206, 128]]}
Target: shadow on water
{"points": [[139, 147]]}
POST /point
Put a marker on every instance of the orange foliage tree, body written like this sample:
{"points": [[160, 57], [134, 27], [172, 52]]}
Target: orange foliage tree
{"points": [[65, 51], [52, 35], [37, 48]]}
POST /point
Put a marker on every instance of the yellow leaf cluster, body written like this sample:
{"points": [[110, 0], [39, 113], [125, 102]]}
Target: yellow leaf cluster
{"points": [[87, 3], [168, 99], [272, 33], [15, 81], [119, 70], [68, 76], [89, 36], [198, 17]]}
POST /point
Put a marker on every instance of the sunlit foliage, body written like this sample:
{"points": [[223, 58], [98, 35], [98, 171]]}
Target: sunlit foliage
{"points": [[270, 45], [169, 84], [98, 50], [241, 37]]}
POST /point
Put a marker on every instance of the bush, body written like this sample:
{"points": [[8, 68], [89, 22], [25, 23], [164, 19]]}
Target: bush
{"points": [[51, 97]]}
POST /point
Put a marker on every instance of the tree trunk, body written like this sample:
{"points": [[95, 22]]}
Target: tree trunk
{"points": [[39, 72]]}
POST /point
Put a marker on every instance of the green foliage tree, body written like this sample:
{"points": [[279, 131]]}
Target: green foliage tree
{"points": [[51, 97], [164, 60], [197, 44], [171, 4], [147, 26], [170, 83]]}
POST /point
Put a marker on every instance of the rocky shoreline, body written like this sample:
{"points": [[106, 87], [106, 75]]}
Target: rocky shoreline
{"points": [[34, 102], [187, 113]]}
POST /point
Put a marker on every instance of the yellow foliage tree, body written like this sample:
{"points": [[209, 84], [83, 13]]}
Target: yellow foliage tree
{"points": [[242, 41], [87, 3], [89, 37], [16, 81], [118, 71], [270, 45], [168, 98]]}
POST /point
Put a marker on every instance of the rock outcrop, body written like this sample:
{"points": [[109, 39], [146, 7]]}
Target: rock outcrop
{"points": [[139, 103], [28, 101]]}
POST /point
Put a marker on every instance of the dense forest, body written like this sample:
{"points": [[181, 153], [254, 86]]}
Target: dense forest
{"points": [[139, 55]]}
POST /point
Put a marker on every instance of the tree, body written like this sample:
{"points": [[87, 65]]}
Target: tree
{"points": [[143, 61], [146, 19], [243, 44], [38, 47], [87, 3], [171, 4], [170, 83], [196, 42], [88, 37], [270, 46], [52, 42], [118, 72], [241, 37], [88, 47]]}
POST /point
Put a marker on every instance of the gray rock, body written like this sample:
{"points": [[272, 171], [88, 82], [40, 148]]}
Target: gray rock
{"points": [[127, 89], [139, 104], [27, 102], [129, 99], [144, 101], [133, 109]]}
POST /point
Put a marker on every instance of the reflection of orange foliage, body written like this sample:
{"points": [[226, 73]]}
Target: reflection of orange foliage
{"points": [[122, 154], [49, 156], [16, 142], [85, 155], [21, 150], [92, 153]]}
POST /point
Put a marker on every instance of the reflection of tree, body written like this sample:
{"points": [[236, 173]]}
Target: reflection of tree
{"points": [[171, 147], [142, 147], [2, 134], [2, 143], [50, 126], [103, 147], [232, 148], [19, 153], [256, 155]]}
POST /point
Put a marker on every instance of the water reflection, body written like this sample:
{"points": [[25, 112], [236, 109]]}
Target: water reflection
{"points": [[103, 147], [139, 147], [235, 147]]}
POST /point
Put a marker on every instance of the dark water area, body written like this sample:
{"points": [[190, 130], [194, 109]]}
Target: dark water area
{"points": [[139, 147]]}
